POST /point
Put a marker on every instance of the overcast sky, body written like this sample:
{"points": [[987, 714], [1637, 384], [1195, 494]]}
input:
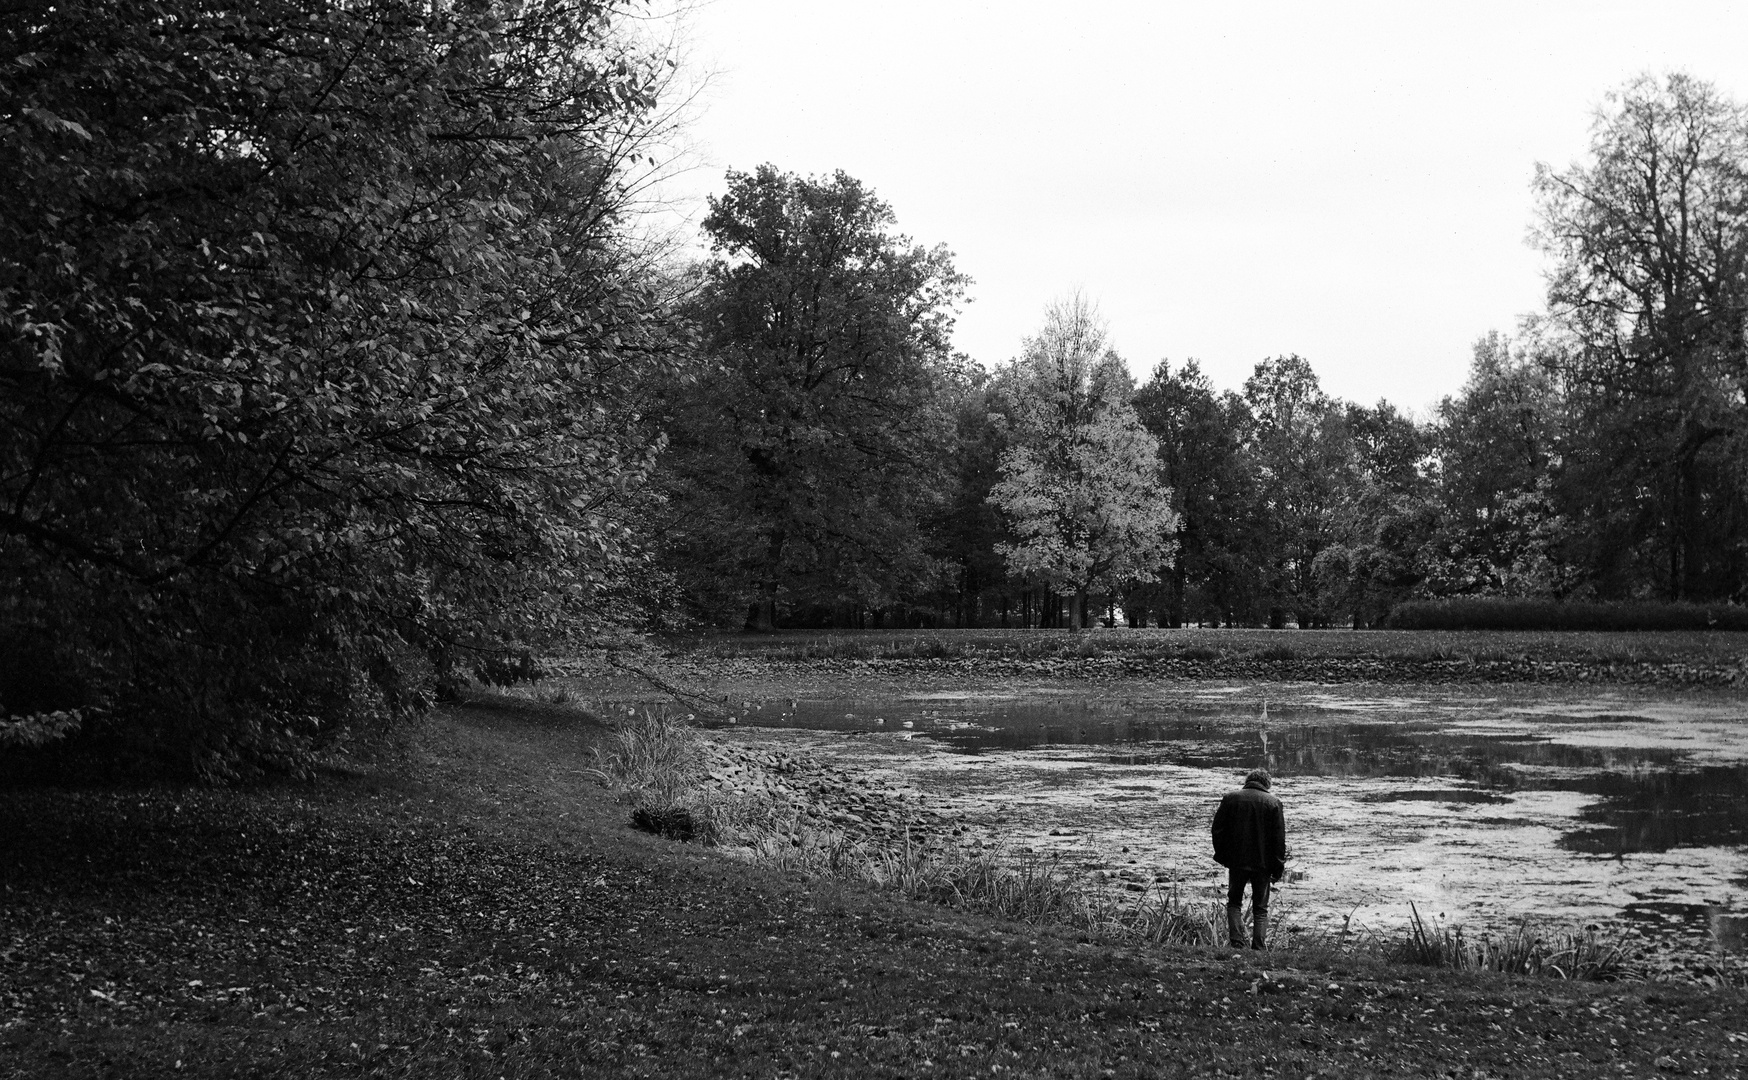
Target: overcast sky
{"points": [[1350, 182]]}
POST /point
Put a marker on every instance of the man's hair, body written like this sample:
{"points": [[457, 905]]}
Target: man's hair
{"points": [[1259, 777]]}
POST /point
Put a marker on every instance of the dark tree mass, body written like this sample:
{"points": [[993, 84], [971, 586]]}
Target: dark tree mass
{"points": [[316, 338], [332, 373], [812, 434]]}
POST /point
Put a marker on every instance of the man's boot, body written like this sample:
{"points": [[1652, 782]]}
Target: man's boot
{"points": [[1235, 927], [1259, 939]]}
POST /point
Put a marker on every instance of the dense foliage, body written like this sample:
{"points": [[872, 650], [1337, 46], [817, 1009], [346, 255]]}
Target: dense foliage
{"points": [[811, 435], [316, 335], [1509, 613]]}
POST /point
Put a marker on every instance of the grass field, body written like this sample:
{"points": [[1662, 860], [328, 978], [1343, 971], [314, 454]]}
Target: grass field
{"points": [[1700, 646], [1663, 658], [482, 910]]}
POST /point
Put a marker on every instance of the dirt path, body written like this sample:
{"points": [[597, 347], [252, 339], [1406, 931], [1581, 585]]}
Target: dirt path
{"points": [[490, 915]]}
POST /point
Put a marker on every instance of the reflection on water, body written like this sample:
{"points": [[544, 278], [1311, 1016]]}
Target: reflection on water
{"points": [[1659, 810], [1625, 804], [1451, 795]]}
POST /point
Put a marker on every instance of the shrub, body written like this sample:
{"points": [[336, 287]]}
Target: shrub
{"points": [[1504, 613]]}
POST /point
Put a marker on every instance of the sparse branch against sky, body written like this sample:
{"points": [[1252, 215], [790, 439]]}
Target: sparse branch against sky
{"points": [[1345, 181]]}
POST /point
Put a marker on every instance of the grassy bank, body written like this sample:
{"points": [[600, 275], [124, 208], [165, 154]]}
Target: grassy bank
{"points": [[1693, 657], [486, 912]]}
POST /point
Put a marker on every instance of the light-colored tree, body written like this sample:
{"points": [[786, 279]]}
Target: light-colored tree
{"points": [[1080, 485]]}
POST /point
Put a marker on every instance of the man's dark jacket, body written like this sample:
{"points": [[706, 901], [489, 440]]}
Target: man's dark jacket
{"points": [[1250, 832]]}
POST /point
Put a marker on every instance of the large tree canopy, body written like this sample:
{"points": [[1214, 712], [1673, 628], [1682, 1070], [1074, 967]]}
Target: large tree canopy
{"points": [[1650, 287], [315, 334], [810, 437]]}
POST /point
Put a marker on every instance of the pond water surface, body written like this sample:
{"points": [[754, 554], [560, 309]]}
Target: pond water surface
{"points": [[1479, 807]]}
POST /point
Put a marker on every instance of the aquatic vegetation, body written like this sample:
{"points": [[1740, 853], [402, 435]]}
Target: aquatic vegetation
{"points": [[1582, 953]]}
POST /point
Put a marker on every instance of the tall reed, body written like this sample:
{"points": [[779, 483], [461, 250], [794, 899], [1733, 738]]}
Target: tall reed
{"points": [[1584, 953], [654, 761]]}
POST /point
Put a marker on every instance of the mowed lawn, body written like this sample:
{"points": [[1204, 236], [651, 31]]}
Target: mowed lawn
{"points": [[482, 910]]}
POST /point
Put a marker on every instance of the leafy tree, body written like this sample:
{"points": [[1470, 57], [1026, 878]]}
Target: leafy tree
{"points": [[1080, 483], [811, 437], [1299, 446], [1497, 444], [1203, 462], [316, 341], [1385, 517], [1650, 285], [967, 528]]}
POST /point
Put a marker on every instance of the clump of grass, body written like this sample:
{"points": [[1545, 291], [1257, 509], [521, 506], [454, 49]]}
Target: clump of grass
{"points": [[1497, 656], [1276, 653], [1200, 653], [1584, 953], [654, 761]]}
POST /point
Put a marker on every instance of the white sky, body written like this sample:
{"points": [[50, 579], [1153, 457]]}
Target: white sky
{"points": [[1229, 181]]}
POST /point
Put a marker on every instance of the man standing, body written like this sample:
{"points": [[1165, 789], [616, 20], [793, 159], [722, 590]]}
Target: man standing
{"points": [[1250, 840]]}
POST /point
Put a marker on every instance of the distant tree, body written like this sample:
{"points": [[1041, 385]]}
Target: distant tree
{"points": [[1299, 446], [1201, 438], [1384, 519], [1497, 444], [967, 528], [1650, 284], [811, 436], [317, 335], [1080, 484]]}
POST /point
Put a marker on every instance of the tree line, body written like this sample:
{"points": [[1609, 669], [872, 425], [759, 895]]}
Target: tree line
{"points": [[335, 370], [1598, 453]]}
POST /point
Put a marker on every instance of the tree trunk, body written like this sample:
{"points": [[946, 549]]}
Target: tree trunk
{"points": [[762, 614]]}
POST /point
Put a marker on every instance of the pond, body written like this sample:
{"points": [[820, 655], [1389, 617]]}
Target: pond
{"points": [[1479, 806]]}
